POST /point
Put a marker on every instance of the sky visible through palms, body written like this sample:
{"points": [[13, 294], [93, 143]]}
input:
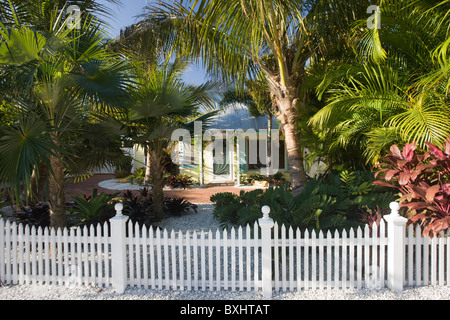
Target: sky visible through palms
{"points": [[127, 14]]}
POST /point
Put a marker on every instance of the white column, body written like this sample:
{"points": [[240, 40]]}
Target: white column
{"points": [[238, 164], [118, 250], [266, 223], [396, 248]]}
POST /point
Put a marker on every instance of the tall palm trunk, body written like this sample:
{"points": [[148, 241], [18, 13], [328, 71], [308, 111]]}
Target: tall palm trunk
{"points": [[148, 162], [157, 182], [38, 182], [288, 115], [57, 201], [269, 164]]}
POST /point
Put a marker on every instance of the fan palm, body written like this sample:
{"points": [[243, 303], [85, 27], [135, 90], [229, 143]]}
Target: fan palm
{"points": [[62, 73], [163, 103], [239, 38]]}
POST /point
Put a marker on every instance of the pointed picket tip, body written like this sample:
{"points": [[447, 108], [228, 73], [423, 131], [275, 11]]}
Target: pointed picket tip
{"points": [[291, 231], [320, 234], [307, 233], [352, 232]]}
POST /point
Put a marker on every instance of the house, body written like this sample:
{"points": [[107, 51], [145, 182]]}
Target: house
{"points": [[234, 147], [231, 149]]}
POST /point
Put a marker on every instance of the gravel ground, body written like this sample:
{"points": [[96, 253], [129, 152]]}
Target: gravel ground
{"points": [[203, 220]]}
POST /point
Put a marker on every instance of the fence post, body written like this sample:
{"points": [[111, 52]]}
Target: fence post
{"points": [[396, 248], [118, 250], [266, 223]]}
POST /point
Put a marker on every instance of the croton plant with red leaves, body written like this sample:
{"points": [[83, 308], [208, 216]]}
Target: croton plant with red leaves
{"points": [[423, 179]]}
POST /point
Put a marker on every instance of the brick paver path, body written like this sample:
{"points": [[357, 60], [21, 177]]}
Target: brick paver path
{"points": [[194, 195]]}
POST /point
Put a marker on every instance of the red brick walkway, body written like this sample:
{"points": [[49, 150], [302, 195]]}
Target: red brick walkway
{"points": [[194, 195]]}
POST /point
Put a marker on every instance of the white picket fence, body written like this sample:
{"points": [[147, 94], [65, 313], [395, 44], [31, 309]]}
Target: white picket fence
{"points": [[263, 257]]}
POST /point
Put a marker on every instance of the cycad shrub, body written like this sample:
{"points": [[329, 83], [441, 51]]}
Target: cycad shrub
{"points": [[338, 200]]}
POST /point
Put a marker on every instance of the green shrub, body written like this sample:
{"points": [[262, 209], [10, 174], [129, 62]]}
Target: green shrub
{"points": [[336, 201], [178, 181], [97, 208], [124, 165]]}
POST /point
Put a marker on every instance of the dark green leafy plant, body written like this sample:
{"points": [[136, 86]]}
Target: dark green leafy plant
{"points": [[95, 208], [335, 201], [34, 215], [179, 206], [139, 207], [179, 181]]}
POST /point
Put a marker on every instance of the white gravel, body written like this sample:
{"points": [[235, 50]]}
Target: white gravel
{"points": [[49, 292], [203, 220]]}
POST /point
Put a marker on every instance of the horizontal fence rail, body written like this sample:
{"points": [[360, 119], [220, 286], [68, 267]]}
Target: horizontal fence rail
{"points": [[264, 256]]}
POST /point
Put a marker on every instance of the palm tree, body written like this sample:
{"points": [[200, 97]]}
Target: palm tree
{"points": [[163, 103], [61, 74], [382, 99], [239, 38]]}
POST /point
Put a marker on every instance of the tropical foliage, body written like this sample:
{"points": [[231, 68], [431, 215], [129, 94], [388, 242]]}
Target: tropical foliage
{"points": [[59, 78], [336, 201], [276, 39], [393, 89], [423, 180]]}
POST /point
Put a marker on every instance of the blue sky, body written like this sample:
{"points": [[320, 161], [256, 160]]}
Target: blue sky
{"points": [[127, 13]]}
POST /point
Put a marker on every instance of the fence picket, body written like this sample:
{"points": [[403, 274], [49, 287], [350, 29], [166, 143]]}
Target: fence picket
{"points": [[218, 263], [359, 253], [284, 265], [240, 256], [181, 259], [344, 260], [291, 259], [210, 261], [152, 273], [351, 268], [8, 274], [321, 265], [166, 273], [173, 259], [14, 240], [440, 257], [329, 245]]}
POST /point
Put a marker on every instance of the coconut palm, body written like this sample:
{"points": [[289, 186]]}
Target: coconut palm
{"points": [[239, 38], [61, 74], [394, 97]]}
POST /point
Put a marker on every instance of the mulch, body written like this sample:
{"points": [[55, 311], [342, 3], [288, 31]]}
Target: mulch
{"points": [[194, 195]]}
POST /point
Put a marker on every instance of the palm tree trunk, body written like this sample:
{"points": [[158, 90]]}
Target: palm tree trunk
{"points": [[147, 165], [157, 183], [57, 201], [269, 147], [288, 116], [38, 182]]}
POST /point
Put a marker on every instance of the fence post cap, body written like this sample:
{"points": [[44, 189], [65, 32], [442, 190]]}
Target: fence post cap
{"points": [[266, 220], [265, 210], [394, 206], [118, 207]]}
